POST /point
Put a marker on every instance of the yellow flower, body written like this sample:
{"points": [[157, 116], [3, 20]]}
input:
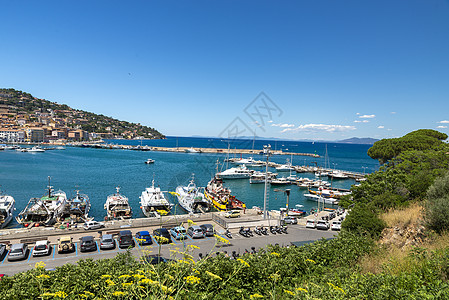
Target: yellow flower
{"points": [[275, 254], [127, 284], [243, 262], [119, 293], [60, 294], [256, 295], [221, 239], [141, 271], [87, 294], [43, 276], [48, 295], [289, 292], [149, 281], [169, 276], [190, 222], [183, 262], [40, 264], [138, 276], [110, 282], [194, 247], [124, 276], [105, 276], [302, 290], [337, 288], [312, 261], [214, 276], [166, 289], [192, 279]]}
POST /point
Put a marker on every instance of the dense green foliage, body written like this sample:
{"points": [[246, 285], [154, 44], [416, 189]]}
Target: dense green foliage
{"points": [[326, 269], [423, 139], [437, 205], [364, 220], [24, 102]]}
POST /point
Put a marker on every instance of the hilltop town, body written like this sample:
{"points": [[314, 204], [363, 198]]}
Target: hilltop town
{"points": [[24, 118]]}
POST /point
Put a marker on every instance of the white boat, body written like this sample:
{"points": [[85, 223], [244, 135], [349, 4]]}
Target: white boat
{"points": [[280, 181], [6, 209], [246, 161], [191, 198], [153, 200], [191, 150], [259, 177], [117, 206], [45, 210], [236, 173], [149, 161], [338, 175], [285, 167], [36, 149], [316, 198]]}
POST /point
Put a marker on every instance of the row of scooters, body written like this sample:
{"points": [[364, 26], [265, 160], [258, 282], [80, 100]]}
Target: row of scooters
{"points": [[261, 230]]}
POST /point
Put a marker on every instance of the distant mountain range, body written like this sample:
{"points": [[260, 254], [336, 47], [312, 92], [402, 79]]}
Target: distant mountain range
{"points": [[353, 140]]}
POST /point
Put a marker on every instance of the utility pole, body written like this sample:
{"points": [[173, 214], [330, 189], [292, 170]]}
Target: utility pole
{"points": [[267, 152]]}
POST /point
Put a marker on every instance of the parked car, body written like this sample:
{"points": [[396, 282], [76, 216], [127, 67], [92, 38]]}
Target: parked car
{"points": [[290, 220], [208, 229], [18, 252], [107, 242], [162, 235], [93, 225], [125, 239], [195, 231], [42, 248], [178, 233], [88, 244], [311, 224], [2, 250], [144, 238], [322, 224], [232, 214], [336, 225], [156, 259], [65, 244]]}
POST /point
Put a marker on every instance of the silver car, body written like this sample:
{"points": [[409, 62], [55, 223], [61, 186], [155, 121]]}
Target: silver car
{"points": [[321, 224], [195, 231], [107, 242], [18, 252]]}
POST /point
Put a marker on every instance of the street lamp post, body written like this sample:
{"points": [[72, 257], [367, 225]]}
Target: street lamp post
{"points": [[267, 152]]}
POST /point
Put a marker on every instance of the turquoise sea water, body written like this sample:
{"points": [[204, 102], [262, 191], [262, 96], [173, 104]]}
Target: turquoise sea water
{"points": [[97, 172]]}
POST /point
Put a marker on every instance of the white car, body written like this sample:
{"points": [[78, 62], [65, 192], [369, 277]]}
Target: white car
{"points": [[93, 225], [311, 224], [336, 225], [42, 248], [321, 224]]}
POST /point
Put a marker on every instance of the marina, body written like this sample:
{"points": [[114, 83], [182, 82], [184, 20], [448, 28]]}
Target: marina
{"points": [[95, 172]]}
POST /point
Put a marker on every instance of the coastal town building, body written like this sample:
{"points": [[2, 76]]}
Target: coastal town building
{"points": [[12, 135]]}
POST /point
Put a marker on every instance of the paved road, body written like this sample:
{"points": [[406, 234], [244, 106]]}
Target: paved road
{"points": [[207, 245]]}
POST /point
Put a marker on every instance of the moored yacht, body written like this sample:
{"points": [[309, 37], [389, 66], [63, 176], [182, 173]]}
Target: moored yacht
{"points": [[117, 206], [153, 201], [45, 210], [285, 167], [191, 198], [236, 173], [6, 209], [220, 196]]}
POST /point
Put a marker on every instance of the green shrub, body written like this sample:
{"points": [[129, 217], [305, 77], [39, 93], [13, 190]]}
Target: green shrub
{"points": [[363, 219], [437, 205]]}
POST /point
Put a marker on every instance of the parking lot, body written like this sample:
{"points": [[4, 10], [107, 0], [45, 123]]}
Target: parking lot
{"points": [[207, 245]]}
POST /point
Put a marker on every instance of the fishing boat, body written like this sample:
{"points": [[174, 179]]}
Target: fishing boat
{"points": [[153, 200], [191, 198], [294, 212], [220, 196], [77, 208], [117, 206], [241, 172], [6, 209], [46, 210], [149, 161]]}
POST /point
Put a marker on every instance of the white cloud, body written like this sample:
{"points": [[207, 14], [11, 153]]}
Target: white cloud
{"points": [[393, 113], [444, 122], [283, 125], [381, 127], [271, 121], [357, 114], [367, 116], [441, 127], [320, 128], [358, 121]]}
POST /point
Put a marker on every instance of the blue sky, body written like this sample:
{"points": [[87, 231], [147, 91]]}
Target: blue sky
{"points": [[331, 69]]}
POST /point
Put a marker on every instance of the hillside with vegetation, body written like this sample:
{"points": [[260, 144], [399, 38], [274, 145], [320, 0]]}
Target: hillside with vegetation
{"points": [[394, 245], [23, 104]]}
